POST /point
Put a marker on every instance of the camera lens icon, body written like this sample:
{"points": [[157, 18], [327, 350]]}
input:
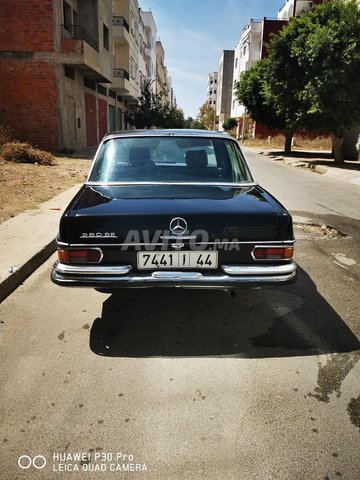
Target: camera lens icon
{"points": [[25, 462]]}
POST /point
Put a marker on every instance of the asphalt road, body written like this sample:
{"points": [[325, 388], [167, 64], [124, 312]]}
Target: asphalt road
{"points": [[192, 384]]}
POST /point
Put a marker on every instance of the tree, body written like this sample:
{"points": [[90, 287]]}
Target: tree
{"points": [[153, 111], [207, 116], [252, 91], [314, 70], [194, 123], [173, 118], [229, 124]]}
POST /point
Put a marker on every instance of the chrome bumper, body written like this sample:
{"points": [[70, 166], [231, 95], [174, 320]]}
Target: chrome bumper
{"points": [[232, 276]]}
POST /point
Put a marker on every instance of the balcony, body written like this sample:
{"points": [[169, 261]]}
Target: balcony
{"points": [[121, 30], [121, 73], [125, 86], [77, 32], [81, 49]]}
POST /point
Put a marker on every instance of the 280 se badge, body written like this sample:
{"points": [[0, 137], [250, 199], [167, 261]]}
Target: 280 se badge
{"points": [[173, 208]]}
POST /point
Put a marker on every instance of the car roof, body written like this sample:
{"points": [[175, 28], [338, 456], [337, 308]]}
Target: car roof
{"points": [[167, 132]]}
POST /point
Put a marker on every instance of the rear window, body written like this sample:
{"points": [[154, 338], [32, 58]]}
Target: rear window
{"points": [[170, 159]]}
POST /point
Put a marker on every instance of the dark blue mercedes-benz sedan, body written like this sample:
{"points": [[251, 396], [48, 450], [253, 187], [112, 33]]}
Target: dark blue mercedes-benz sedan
{"points": [[173, 208]]}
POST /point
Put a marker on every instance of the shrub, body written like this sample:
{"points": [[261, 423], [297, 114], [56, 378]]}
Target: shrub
{"points": [[6, 134], [22, 152], [230, 124]]}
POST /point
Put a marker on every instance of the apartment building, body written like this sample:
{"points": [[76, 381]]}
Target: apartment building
{"points": [[294, 8], [150, 32], [225, 86], [251, 47], [212, 85], [70, 70], [160, 68]]}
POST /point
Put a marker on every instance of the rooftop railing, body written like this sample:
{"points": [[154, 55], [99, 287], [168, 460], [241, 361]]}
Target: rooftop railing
{"points": [[77, 32]]}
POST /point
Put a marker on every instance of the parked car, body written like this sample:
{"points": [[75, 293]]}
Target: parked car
{"points": [[173, 208]]}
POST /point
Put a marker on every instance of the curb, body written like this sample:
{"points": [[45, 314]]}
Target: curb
{"points": [[339, 174], [39, 228], [12, 282]]}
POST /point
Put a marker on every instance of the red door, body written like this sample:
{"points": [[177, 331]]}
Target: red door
{"points": [[90, 115], [102, 108]]}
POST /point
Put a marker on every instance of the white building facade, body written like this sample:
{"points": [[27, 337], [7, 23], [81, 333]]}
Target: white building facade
{"points": [[247, 53], [212, 86]]}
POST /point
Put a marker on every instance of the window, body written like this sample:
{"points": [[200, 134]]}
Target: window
{"points": [[236, 62], [164, 159], [210, 92], [105, 37], [214, 92], [67, 14], [215, 81], [69, 72]]}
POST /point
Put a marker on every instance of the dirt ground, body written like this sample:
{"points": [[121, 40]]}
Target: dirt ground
{"points": [[24, 185]]}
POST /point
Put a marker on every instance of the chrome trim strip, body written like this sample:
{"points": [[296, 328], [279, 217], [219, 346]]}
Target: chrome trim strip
{"points": [[259, 270], [65, 269], [207, 184], [61, 244], [174, 276], [177, 237], [268, 259], [277, 242]]}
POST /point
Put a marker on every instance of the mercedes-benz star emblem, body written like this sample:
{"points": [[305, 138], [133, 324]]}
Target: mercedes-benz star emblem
{"points": [[178, 226]]}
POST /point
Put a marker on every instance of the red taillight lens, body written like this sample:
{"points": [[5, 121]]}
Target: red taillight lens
{"points": [[273, 253], [75, 255]]}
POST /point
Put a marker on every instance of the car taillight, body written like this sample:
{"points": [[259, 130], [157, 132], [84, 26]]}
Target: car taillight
{"points": [[76, 255], [273, 253]]}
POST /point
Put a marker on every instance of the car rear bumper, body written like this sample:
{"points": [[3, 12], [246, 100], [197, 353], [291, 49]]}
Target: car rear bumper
{"points": [[231, 277]]}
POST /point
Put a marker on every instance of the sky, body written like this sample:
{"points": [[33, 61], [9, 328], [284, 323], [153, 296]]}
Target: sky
{"points": [[194, 33]]}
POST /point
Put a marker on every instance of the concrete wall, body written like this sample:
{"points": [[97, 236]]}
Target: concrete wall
{"points": [[225, 86], [55, 110]]}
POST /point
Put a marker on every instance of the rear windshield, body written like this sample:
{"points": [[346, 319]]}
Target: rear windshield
{"points": [[170, 159]]}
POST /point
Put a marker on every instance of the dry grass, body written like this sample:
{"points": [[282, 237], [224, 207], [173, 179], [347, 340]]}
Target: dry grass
{"points": [[22, 152], [300, 143], [25, 185], [6, 134]]}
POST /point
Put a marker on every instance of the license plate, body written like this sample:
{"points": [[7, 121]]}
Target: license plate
{"points": [[169, 260]]}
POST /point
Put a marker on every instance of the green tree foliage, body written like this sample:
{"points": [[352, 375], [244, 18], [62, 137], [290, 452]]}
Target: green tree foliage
{"points": [[253, 92], [153, 111], [206, 116], [194, 123], [314, 70], [229, 124]]}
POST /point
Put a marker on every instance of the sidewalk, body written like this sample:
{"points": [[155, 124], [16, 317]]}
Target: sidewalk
{"points": [[28, 239], [317, 161]]}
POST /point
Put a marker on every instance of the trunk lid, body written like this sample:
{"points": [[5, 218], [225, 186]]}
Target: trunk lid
{"points": [[115, 214]]}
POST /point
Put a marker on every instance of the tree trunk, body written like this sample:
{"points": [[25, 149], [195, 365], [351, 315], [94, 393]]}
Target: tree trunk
{"points": [[337, 139], [288, 140]]}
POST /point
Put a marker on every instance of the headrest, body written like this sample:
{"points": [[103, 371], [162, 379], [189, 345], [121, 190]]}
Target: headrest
{"points": [[139, 157], [196, 159]]}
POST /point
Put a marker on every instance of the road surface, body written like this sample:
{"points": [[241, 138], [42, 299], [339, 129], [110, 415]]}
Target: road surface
{"points": [[181, 384]]}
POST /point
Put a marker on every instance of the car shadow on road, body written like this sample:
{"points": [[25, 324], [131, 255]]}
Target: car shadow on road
{"points": [[293, 320]]}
